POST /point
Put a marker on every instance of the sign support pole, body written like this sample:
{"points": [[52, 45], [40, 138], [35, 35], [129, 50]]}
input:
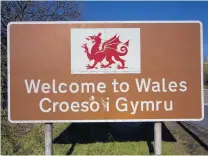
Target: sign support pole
{"points": [[48, 139], [157, 138]]}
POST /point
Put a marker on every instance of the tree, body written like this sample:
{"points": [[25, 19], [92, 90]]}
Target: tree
{"points": [[31, 11], [38, 11]]}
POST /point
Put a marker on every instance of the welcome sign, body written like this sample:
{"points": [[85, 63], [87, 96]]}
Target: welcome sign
{"points": [[105, 71]]}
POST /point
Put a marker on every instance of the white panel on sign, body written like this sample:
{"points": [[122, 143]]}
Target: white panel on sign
{"points": [[110, 50]]}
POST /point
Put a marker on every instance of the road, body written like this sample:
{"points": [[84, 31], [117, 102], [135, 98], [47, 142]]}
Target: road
{"points": [[199, 129], [204, 123]]}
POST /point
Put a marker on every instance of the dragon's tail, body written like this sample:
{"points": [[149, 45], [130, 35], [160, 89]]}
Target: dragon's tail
{"points": [[123, 50]]}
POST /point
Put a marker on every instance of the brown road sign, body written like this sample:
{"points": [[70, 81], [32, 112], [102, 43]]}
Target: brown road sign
{"points": [[105, 71]]}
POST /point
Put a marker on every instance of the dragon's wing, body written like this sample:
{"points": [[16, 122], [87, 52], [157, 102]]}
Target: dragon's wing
{"points": [[112, 42]]}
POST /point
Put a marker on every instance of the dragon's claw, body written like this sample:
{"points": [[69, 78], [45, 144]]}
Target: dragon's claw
{"points": [[118, 67], [90, 67], [105, 66], [121, 67], [85, 47], [102, 66]]}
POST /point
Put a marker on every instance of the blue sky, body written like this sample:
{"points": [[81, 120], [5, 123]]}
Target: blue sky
{"points": [[139, 10]]}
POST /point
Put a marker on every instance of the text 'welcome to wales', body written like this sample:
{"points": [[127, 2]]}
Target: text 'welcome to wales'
{"points": [[121, 104]]}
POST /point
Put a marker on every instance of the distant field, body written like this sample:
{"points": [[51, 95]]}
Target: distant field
{"points": [[206, 62]]}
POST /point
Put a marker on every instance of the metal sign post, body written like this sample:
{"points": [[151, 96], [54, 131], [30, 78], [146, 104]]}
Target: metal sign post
{"points": [[157, 138], [48, 139]]}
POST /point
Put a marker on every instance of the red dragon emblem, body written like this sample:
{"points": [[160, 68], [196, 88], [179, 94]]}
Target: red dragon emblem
{"points": [[109, 49]]}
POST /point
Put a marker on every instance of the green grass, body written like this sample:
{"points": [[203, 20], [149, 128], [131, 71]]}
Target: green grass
{"points": [[112, 148], [28, 139], [33, 144]]}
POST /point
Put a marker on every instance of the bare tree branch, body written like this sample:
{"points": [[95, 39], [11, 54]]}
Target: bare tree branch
{"points": [[38, 11]]}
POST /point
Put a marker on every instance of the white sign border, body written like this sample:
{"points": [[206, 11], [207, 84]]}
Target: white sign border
{"points": [[116, 120]]}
